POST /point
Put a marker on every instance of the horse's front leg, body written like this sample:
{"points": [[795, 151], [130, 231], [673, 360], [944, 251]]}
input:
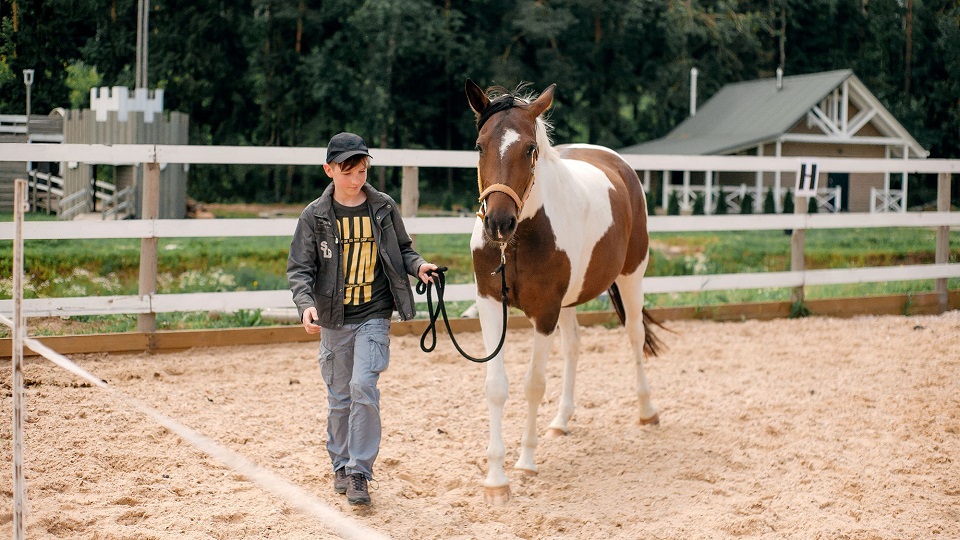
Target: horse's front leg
{"points": [[534, 385], [496, 486]]}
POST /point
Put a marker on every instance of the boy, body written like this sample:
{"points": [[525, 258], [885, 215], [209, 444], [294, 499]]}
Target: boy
{"points": [[347, 269]]}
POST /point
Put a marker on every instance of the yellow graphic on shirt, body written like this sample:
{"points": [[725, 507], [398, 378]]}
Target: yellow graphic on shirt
{"points": [[359, 259]]}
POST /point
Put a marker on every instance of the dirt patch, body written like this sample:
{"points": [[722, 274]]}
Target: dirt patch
{"points": [[815, 429]]}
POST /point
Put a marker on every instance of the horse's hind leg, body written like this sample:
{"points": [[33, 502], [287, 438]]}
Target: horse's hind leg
{"points": [[534, 385], [570, 344], [631, 292]]}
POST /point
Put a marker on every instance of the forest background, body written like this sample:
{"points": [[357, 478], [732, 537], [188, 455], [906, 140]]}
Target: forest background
{"points": [[293, 73]]}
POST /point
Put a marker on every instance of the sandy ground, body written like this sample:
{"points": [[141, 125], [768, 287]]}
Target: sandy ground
{"points": [[810, 429]]}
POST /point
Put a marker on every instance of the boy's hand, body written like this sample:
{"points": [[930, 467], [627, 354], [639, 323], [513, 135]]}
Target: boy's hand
{"points": [[425, 272], [310, 315]]}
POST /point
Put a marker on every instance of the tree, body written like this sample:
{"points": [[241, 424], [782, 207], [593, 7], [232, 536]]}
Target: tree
{"points": [[722, 207], [769, 206], [43, 36], [746, 204], [788, 205], [698, 205], [673, 204]]}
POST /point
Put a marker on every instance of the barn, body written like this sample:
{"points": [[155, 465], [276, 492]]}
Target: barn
{"points": [[826, 114]]}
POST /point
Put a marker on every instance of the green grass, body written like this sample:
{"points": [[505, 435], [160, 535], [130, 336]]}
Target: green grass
{"points": [[71, 268]]}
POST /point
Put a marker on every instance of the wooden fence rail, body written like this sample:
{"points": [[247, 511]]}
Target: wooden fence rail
{"points": [[147, 303]]}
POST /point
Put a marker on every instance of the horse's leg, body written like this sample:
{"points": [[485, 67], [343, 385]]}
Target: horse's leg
{"points": [[631, 291], [496, 486], [534, 385], [570, 343]]}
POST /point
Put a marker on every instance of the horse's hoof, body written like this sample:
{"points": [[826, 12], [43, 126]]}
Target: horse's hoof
{"points": [[652, 421], [554, 433], [528, 472], [496, 496]]}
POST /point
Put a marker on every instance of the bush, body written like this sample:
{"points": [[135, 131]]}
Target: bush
{"points": [[722, 208], [651, 203], [812, 206], [746, 205], [698, 203], [769, 207], [673, 204], [788, 202]]}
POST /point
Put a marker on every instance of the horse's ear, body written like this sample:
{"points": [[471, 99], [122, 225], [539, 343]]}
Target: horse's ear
{"points": [[478, 100], [542, 103]]}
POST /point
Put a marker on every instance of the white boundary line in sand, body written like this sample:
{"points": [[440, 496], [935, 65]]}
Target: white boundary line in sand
{"points": [[293, 494]]}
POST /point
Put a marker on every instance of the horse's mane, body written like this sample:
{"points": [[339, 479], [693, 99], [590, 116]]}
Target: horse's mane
{"points": [[502, 99]]}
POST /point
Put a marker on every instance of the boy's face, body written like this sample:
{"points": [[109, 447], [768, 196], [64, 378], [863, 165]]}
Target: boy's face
{"points": [[347, 183]]}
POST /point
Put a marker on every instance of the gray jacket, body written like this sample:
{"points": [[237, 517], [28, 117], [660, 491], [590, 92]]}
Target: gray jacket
{"points": [[315, 267]]}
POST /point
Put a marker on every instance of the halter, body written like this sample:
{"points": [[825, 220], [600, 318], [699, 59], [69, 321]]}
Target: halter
{"points": [[506, 190]]}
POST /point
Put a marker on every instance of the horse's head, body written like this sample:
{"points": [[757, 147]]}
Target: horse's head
{"points": [[508, 142]]}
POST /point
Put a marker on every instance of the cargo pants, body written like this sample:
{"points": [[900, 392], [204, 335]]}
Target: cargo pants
{"points": [[351, 360]]}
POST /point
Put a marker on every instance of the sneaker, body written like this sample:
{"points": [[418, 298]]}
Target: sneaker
{"points": [[357, 489], [340, 478]]}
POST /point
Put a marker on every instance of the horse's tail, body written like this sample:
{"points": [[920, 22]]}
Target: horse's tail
{"points": [[651, 343], [614, 293]]}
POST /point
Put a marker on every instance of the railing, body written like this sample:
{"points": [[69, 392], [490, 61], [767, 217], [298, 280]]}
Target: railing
{"points": [[119, 204], [75, 204], [886, 201], [828, 199], [147, 303], [46, 190]]}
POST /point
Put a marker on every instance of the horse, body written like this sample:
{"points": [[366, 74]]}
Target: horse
{"points": [[564, 223]]}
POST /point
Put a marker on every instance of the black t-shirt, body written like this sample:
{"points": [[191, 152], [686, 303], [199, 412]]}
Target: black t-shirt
{"points": [[366, 293]]}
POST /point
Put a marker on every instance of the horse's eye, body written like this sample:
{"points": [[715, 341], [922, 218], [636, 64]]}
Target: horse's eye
{"points": [[532, 150], [479, 148]]}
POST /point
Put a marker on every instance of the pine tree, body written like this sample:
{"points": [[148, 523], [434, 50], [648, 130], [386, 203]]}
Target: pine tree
{"points": [[769, 207], [722, 208], [788, 202], [673, 204], [746, 205], [698, 205]]}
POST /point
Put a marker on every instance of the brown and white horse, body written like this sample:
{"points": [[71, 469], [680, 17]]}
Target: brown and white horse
{"points": [[568, 222]]}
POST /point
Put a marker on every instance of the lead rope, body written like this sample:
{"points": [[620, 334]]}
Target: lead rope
{"points": [[440, 284]]}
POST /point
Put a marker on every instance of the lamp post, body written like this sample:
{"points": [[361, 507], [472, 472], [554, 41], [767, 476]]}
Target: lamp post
{"points": [[28, 81]]}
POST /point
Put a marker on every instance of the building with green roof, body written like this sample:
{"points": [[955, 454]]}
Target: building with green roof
{"points": [[828, 114]]}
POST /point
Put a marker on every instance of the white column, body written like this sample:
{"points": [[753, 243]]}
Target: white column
{"points": [[759, 177], [886, 175], [685, 201], [708, 195], [903, 194], [665, 192], [776, 186]]}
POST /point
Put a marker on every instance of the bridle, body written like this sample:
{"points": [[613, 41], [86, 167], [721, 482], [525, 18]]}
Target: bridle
{"points": [[439, 281], [506, 190]]}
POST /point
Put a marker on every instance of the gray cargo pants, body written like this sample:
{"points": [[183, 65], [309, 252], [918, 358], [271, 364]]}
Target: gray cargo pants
{"points": [[351, 360]]}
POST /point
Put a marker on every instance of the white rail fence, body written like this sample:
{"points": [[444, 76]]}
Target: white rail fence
{"points": [[147, 302]]}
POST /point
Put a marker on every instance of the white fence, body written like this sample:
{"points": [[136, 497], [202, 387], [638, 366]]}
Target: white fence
{"points": [[148, 303]]}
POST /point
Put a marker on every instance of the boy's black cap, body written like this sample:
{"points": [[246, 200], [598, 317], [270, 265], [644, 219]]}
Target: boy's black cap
{"points": [[345, 145]]}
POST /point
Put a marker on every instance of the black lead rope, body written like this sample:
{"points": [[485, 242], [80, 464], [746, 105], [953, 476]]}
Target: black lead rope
{"points": [[439, 281]]}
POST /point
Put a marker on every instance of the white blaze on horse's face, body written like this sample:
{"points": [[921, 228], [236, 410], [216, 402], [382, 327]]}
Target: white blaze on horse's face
{"points": [[509, 137]]}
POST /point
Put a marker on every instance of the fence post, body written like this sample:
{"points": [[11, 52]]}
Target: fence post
{"points": [[942, 255], [147, 322], [797, 246], [410, 193], [19, 333]]}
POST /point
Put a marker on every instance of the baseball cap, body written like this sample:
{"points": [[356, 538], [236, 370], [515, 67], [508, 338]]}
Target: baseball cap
{"points": [[345, 145]]}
